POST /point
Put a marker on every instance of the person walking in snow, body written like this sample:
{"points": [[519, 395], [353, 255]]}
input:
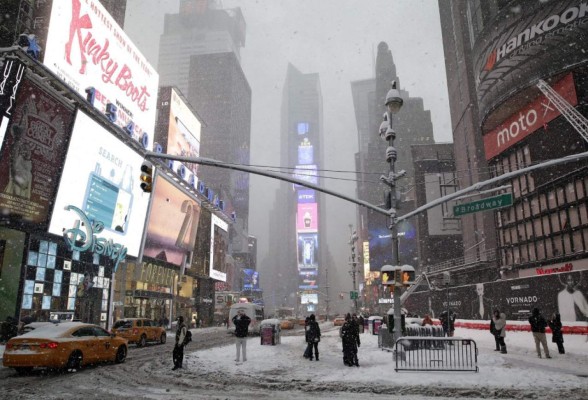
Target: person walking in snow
{"points": [[557, 335], [241, 321], [538, 325], [350, 339], [178, 353], [313, 337], [499, 320]]}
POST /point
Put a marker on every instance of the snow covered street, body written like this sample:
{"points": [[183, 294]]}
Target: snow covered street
{"points": [[280, 372]]}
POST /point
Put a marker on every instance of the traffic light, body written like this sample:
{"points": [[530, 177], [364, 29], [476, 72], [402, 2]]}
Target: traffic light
{"points": [[146, 176]]}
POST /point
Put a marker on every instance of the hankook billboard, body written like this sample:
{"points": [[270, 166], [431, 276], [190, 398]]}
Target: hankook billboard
{"points": [[541, 40]]}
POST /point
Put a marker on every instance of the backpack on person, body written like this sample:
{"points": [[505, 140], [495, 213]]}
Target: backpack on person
{"points": [[188, 337]]}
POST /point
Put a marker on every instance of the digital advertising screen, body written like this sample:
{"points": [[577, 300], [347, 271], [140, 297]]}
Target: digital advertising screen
{"points": [[201, 257], [306, 196], [307, 217], [380, 241], [86, 48], [250, 279], [307, 250], [219, 240], [302, 128], [305, 152], [101, 177], [309, 298], [173, 223], [179, 133], [308, 279], [307, 173], [36, 129]]}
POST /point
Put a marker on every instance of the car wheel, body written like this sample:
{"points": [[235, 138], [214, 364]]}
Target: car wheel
{"points": [[121, 355], [23, 370], [163, 338], [75, 361], [142, 341]]}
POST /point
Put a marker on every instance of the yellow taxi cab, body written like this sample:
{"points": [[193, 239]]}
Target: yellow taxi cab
{"points": [[68, 345], [287, 324], [139, 331], [339, 321]]}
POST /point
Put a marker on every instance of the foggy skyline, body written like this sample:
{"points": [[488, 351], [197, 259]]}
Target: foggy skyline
{"points": [[337, 40]]}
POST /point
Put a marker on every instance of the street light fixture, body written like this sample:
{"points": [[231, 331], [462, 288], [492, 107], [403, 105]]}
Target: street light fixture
{"points": [[393, 104]]}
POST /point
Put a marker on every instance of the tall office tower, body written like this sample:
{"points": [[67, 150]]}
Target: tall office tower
{"points": [[299, 245], [199, 54], [478, 228], [413, 126], [496, 52]]}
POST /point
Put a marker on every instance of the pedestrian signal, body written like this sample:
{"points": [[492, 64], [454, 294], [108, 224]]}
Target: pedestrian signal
{"points": [[146, 177]]}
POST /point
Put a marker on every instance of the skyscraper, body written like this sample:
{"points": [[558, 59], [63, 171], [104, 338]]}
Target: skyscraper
{"points": [[299, 246], [199, 54]]}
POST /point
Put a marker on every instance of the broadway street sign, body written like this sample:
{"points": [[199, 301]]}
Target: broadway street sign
{"points": [[490, 203]]}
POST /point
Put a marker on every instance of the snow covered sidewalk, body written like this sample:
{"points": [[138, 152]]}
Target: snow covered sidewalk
{"points": [[519, 369]]}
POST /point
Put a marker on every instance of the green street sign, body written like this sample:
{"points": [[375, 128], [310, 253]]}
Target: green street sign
{"points": [[353, 295], [490, 203]]}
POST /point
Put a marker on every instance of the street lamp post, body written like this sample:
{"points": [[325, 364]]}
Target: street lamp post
{"points": [[393, 104], [352, 239]]}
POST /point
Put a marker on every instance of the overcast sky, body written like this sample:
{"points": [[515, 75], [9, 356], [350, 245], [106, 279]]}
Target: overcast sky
{"points": [[338, 40]]}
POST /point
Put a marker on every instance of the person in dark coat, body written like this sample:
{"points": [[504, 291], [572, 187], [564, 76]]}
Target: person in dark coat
{"points": [[538, 325], [350, 339], [557, 335], [178, 353], [493, 332], [307, 349], [313, 337], [241, 321], [361, 323], [448, 323]]}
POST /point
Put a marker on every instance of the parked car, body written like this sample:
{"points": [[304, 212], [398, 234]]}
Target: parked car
{"points": [[34, 325], [68, 345], [339, 321], [140, 331]]}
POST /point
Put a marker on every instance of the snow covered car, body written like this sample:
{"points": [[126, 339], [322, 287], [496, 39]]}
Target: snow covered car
{"points": [[339, 321], [287, 324], [139, 331], [68, 345]]}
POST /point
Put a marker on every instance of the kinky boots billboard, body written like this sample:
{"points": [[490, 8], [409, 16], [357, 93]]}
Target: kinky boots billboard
{"points": [[560, 292]]}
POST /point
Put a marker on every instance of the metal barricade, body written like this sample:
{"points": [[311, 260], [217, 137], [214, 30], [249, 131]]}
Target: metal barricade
{"points": [[425, 353], [386, 338]]}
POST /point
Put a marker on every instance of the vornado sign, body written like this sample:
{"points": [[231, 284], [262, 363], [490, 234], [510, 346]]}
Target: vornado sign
{"points": [[542, 40], [528, 120]]}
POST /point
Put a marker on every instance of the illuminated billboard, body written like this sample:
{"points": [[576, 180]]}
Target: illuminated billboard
{"points": [[200, 259], [307, 250], [36, 130], [219, 240], [250, 279], [100, 177], [306, 173], [87, 49], [305, 152], [308, 279], [306, 196], [302, 128], [173, 223], [178, 129], [309, 298], [307, 217]]}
